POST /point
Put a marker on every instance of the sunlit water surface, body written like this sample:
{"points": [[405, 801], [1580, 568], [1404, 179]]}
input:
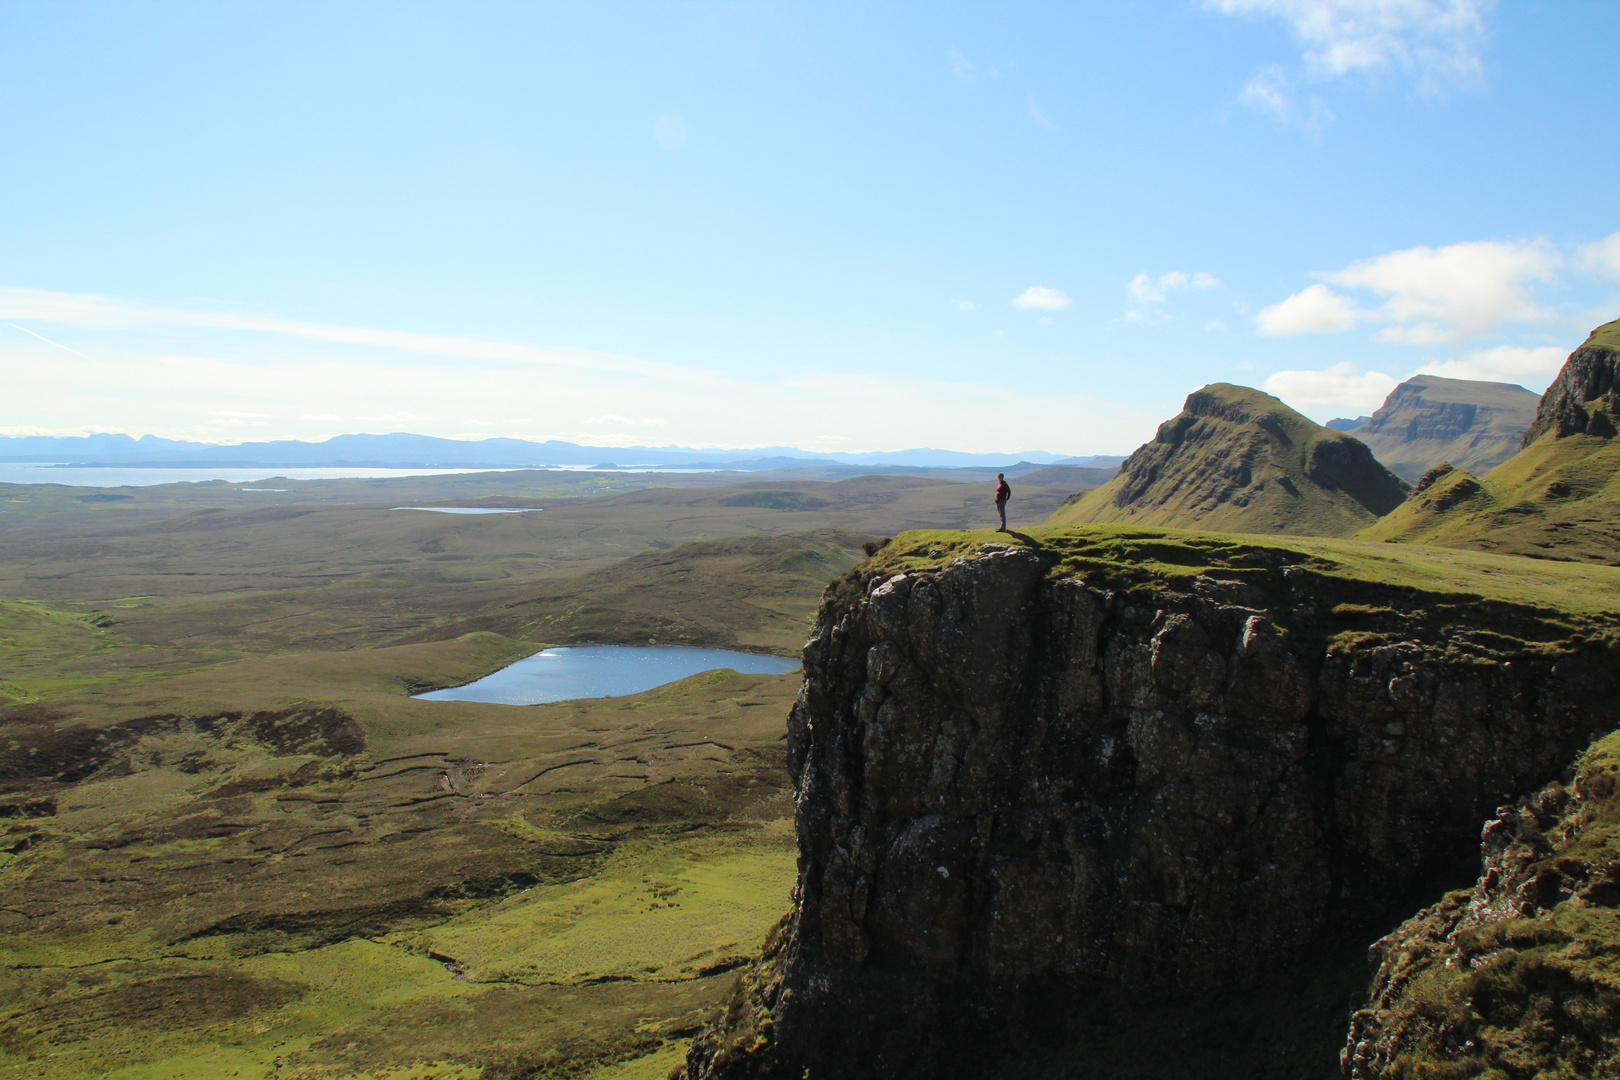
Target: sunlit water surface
{"points": [[587, 671]]}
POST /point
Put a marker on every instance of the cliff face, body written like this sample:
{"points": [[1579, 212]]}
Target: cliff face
{"points": [[1239, 460], [1585, 397], [1521, 975], [1428, 420], [1030, 801]]}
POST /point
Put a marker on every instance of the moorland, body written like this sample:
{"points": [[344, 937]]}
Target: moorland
{"points": [[232, 844]]}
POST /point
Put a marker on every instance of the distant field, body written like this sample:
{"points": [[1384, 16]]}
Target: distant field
{"points": [[231, 844]]}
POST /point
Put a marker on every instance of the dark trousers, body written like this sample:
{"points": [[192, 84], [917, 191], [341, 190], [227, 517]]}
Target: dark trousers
{"points": [[1001, 508]]}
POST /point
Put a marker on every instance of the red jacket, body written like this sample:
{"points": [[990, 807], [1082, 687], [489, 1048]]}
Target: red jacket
{"points": [[1003, 492]]}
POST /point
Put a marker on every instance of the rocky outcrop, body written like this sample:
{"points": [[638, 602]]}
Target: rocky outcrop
{"points": [[1049, 822], [1238, 460], [1585, 397], [1516, 977]]}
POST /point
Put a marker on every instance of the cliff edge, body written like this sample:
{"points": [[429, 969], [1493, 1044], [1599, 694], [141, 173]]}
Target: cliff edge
{"points": [[1127, 803]]}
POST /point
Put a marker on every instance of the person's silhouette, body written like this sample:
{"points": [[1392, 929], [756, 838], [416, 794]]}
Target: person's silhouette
{"points": [[1003, 493]]}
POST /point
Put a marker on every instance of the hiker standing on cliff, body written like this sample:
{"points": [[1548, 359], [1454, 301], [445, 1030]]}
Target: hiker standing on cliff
{"points": [[1003, 493]]}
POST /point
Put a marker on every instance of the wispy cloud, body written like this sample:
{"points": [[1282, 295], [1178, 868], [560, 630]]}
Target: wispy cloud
{"points": [[1149, 289], [1434, 43], [200, 374], [964, 305], [1040, 117], [1272, 92], [103, 313], [1041, 298], [45, 339]]}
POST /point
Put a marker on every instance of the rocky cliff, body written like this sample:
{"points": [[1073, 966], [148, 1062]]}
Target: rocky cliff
{"points": [[1519, 976], [1108, 803], [1428, 420], [1587, 385], [1239, 460]]}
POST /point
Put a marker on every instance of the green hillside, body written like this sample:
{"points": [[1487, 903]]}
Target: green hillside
{"points": [[1428, 420], [1558, 497], [1238, 460]]}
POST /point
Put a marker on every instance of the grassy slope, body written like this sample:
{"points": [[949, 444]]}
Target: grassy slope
{"points": [[282, 893], [1504, 412], [752, 592], [1556, 498], [1251, 473]]}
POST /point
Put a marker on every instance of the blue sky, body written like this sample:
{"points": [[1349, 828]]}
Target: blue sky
{"points": [[985, 227]]}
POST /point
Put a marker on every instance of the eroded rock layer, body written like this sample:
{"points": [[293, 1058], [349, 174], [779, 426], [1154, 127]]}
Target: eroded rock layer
{"points": [[1049, 825]]}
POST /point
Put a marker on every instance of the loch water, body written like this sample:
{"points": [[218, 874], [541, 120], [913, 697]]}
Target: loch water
{"points": [[587, 671]]}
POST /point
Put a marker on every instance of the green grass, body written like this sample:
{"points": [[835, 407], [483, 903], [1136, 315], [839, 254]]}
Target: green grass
{"points": [[754, 592], [1238, 460], [1555, 499], [1147, 559]]}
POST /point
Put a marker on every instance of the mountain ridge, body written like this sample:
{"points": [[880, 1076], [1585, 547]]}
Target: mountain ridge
{"points": [[1237, 459], [406, 449]]}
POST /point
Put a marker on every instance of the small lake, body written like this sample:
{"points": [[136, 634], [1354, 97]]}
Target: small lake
{"points": [[587, 671], [472, 509]]}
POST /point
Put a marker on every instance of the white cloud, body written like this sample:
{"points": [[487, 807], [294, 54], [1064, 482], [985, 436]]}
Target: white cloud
{"points": [[1147, 289], [1533, 366], [1453, 293], [1043, 321], [1215, 324], [964, 305], [1314, 310], [1459, 292], [1436, 42], [1602, 257], [1041, 297], [1341, 384]]}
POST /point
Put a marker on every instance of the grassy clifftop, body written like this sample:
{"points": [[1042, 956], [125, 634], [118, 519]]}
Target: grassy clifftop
{"points": [[1238, 460], [1547, 602]]}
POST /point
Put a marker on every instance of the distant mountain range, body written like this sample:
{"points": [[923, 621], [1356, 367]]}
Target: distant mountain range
{"points": [[402, 450]]}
